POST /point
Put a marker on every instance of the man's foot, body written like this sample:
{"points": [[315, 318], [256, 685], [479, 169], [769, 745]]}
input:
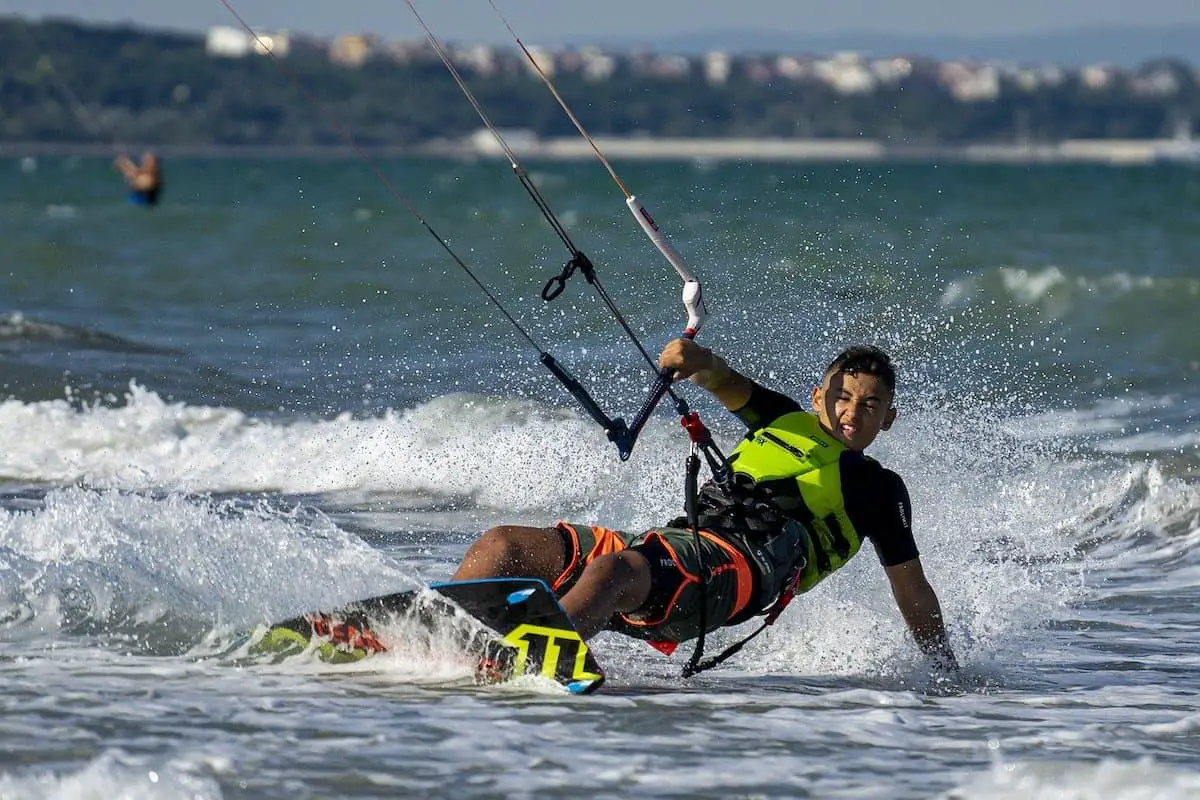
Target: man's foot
{"points": [[495, 665]]}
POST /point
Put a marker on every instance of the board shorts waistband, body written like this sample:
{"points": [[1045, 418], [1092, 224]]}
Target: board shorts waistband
{"points": [[581, 545]]}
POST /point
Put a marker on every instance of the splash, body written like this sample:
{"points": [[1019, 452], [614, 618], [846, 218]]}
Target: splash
{"points": [[160, 573]]}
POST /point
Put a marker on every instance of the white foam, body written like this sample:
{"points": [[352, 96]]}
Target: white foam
{"points": [[509, 454], [129, 559], [113, 775], [1029, 286], [1070, 780], [1001, 520]]}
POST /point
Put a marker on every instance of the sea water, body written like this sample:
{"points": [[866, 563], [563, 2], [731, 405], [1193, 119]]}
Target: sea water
{"points": [[277, 392]]}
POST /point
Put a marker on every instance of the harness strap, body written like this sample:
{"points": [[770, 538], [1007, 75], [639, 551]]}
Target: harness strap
{"points": [[692, 506], [696, 665], [702, 442]]}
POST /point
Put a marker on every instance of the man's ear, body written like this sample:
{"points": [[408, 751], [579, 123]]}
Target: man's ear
{"points": [[888, 419], [818, 397]]}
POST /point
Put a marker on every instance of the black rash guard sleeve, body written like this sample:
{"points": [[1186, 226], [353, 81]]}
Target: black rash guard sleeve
{"points": [[878, 504], [764, 407]]}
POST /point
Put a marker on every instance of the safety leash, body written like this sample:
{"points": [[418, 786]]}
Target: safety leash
{"points": [[696, 665]]}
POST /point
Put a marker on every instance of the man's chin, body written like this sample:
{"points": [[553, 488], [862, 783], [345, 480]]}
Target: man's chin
{"points": [[856, 442]]}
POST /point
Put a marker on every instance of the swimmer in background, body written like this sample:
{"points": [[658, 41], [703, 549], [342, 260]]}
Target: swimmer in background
{"points": [[145, 180]]}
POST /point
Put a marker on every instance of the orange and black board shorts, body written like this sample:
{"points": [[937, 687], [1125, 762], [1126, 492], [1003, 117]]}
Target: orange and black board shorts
{"points": [[672, 612]]}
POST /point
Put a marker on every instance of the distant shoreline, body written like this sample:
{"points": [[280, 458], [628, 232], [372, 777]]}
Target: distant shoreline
{"points": [[1129, 152]]}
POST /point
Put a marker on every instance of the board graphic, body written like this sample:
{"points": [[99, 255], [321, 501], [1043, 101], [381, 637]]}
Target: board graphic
{"points": [[514, 626]]}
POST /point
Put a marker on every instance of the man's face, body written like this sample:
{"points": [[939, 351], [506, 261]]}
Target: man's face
{"points": [[854, 408]]}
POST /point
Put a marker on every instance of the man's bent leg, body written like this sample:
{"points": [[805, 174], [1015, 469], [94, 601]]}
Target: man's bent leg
{"points": [[609, 584], [514, 551]]}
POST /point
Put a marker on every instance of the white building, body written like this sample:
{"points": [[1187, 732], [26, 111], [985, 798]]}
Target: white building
{"points": [[226, 41], [891, 70], [792, 68], [544, 59], [597, 65], [1096, 76], [970, 83], [352, 49], [846, 73], [717, 66], [480, 58]]}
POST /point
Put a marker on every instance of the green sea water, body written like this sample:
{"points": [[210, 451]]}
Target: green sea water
{"points": [[1082, 273], [276, 391]]}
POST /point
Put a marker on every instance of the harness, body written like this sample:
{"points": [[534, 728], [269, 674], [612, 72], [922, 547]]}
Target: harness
{"points": [[795, 467], [784, 506]]}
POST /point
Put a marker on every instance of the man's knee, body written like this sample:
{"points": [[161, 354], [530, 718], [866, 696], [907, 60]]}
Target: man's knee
{"points": [[616, 566], [517, 550], [501, 544], [627, 571]]}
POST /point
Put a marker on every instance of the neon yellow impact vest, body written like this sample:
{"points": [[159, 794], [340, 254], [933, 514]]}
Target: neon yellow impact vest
{"points": [[795, 450]]}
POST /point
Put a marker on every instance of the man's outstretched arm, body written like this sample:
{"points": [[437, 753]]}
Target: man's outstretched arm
{"points": [[922, 613], [125, 166]]}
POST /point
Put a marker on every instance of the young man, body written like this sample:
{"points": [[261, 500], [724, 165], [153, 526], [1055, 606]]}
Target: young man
{"points": [[145, 180], [801, 500]]}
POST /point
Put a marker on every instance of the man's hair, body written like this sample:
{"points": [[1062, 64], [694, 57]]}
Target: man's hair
{"points": [[864, 359]]}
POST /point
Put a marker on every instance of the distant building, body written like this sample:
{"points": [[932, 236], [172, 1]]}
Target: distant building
{"points": [[1096, 77], [846, 73], [970, 83], [757, 70], [597, 65], [891, 70], [351, 50], [668, 67], [792, 68], [408, 51], [225, 41], [278, 44], [1156, 82], [480, 58], [717, 66], [544, 59]]}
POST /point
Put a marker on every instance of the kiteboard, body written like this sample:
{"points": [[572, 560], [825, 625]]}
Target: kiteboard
{"points": [[513, 626]]}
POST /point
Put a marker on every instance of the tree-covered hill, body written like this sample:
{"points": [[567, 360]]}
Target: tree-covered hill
{"points": [[68, 83]]}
